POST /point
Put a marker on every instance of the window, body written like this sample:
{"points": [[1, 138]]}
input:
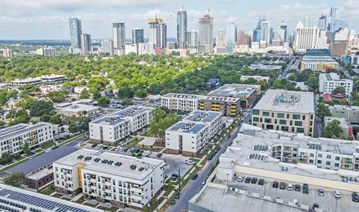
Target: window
{"points": [[255, 119], [283, 122], [319, 155], [303, 118], [265, 113], [280, 115], [328, 163], [300, 130], [298, 123], [337, 158], [296, 116], [329, 156], [311, 161], [319, 162], [284, 128], [255, 112], [267, 120], [336, 164], [311, 155]]}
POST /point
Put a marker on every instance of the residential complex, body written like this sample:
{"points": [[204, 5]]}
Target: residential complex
{"points": [[110, 129], [290, 157], [190, 135], [329, 82], [45, 79], [350, 114], [257, 78], [181, 102], [77, 108], [121, 180], [318, 60], [344, 125], [228, 106], [12, 138], [289, 111]]}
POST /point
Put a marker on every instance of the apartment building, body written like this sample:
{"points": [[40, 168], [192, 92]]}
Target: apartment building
{"points": [[112, 128], [289, 111], [329, 82], [228, 106], [181, 102], [344, 124], [190, 135], [124, 181], [350, 114], [291, 157], [12, 138], [257, 78]]}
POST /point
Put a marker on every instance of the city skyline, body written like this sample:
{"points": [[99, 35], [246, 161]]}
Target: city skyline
{"points": [[50, 20]]}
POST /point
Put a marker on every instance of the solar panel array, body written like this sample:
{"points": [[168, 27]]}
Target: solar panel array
{"points": [[38, 202]]}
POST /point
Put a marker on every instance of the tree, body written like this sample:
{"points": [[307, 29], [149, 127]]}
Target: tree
{"points": [[127, 102], [339, 89], [103, 101], [26, 148], [323, 111], [15, 179], [40, 108], [313, 83], [333, 130], [57, 96], [161, 120], [85, 94], [141, 93], [6, 158], [55, 119], [45, 118], [125, 92]]}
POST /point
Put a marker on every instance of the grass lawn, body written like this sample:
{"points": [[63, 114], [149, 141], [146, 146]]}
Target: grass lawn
{"points": [[132, 143], [48, 145], [113, 209], [48, 190], [81, 200]]}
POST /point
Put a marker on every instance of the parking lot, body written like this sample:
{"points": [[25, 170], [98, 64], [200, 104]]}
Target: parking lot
{"points": [[327, 202]]}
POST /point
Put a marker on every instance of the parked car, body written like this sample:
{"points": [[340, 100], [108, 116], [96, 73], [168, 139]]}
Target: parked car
{"points": [[240, 179], [190, 162], [337, 194], [159, 155], [254, 180], [290, 187], [194, 176], [177, 195], [172, 202], [275, 184], [125, 149], [355, 197], [203, 183], [260, 182], [282, 185], [248, 180], [305, 189], [174, 177], [321, 192], [315, 205], [297, 187]]}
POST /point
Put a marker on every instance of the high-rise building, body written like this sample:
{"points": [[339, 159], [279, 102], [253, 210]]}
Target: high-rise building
{"points": [[119, 38], [205, 34], [306, 21], [107, 46], [182, 28], [322, 23], [221, 39], [47, 51], [257, 32], [137, 36], [283, 32], [265, 32], [86, 43], [157, 33], [306, 38], [192, 39], [75, 32], [231, 37], [333, 18], [242, 38]]}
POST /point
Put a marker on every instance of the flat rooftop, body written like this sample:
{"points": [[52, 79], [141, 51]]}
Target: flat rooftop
{"points": [[38, 174], [76, 108], [132, 111], [222, 99], [344, 107], [112, 163], [39, 201], [202, 116], [343, 122], [243, 147], [235, 90], [183, 96], [187, 127], [15, 130], [327, 59], [286, 101]]}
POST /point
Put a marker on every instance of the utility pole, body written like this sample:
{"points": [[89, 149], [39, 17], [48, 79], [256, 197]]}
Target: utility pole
{"points": [[179, 180]]}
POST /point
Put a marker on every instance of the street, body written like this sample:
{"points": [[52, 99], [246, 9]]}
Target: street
{"points": [[195, 186]]}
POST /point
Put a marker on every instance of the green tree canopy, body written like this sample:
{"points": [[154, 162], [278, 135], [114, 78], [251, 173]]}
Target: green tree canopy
{"points": [[57, 96], [339, 89], [103, 101], [333, 130], [85, 94], [323, 111], [40, 108], [15, 179]]}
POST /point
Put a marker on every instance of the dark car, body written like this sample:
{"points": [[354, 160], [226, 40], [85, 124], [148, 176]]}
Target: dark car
{"points": [[94, 145], [305, 189], [172, 202], [125, 149], [177, 195], [194, 176], [275, 184], [355, 197], [282, 185], [248, 180], [260, 182], [210, 157], [297, 187], [159, 155], [315, 205], [174, 177], [254, 180]]}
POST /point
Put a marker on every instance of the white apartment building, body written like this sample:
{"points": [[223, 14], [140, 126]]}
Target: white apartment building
{"points": [[190, 135], [291, 157], [47, 52], [306, 38], [12, 138], [289, 111], [181, 102], [112, 128], [350, 114], [6, 53], [329, 82], [121, 180], [257, 78]]}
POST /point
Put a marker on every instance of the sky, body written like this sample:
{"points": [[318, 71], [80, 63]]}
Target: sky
{"points": [[48, 19]]}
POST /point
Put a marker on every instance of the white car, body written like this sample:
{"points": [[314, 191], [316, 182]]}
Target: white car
{"points": [[290, 187], [190, 162], [240, 179], [337, 194]]}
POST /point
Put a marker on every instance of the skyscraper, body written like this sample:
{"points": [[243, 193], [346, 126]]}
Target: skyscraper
{"points": [[157, 33], [322, 23], [242, 38], [75, 32], [265, 32], [192, 39], [257, 31], [119, 38], [283, 32], [137, 36], [205, 34], [306, 38], [182, 28], [221, 39], [231, 36], [107, 46], [86, 43], [333, 18]]}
